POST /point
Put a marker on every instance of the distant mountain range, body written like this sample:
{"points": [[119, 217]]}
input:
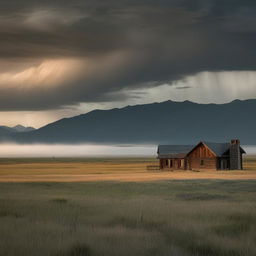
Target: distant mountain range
{"points": [[7, 133], [167, 122], [17, 128]]}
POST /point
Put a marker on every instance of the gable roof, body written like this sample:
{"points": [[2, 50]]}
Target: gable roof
{"points": [[218, 148], [175, 151], [180, 151]]}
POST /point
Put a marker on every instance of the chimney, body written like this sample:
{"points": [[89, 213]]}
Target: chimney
{"points": [[235, 155]]}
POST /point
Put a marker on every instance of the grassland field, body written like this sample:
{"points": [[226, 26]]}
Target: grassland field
{"points": [[115, 207]]}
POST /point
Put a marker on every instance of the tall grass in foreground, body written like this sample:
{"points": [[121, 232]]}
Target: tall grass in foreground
{"points": [[104, 218]]}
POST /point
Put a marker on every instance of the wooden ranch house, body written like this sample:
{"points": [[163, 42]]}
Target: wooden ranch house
{"points": [[204, 155]]}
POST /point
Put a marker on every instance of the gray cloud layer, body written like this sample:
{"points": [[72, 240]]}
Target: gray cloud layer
{"points": [[53, 55]]}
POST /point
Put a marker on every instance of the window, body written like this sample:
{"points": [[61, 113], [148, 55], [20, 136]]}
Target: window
{"points": [[202, 162], [166, 162]]}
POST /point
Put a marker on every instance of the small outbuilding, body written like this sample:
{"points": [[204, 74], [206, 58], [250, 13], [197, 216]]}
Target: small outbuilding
{"points": [[204, 155]]}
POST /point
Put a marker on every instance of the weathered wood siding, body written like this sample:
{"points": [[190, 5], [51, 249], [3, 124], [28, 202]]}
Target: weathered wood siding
{"points": [[202, 163], [202, 158], [201, 151]]}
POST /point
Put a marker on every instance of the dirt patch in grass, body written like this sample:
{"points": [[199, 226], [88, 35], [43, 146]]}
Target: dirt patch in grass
{"points": [[201, 196], [60, 200], [77, 250]]}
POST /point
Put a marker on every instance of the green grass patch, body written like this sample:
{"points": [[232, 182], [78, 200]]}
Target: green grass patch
{"points": [[183, 218]]}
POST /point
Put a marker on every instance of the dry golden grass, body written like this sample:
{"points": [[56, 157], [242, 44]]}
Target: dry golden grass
{"points": [[108, 170]]}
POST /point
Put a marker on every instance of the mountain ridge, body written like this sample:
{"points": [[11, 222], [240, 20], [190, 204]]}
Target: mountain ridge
{"points": [[166, 122], [18, 128]]}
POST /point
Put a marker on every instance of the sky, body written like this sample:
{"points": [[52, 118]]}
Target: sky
{"points": [[60, 60]]}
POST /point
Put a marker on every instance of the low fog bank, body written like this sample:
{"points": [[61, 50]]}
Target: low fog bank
{"points": [[249, 149], [85, 150]]}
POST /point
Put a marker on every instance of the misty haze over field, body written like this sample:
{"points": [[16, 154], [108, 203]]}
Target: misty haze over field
{"points": [[85, 150]]}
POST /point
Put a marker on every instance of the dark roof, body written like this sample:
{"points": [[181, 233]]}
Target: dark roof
{"points": [[218, 148], [178, 151]]}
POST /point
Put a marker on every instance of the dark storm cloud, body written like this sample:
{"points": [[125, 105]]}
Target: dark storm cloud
{"points": [[119, 45]]}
